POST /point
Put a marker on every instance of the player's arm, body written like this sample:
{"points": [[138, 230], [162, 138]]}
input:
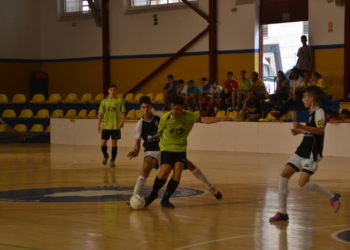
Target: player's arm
{"points": [[313, 130], [100, 117], [297, 131], [121, 125], [136, 150], [208, 120]]}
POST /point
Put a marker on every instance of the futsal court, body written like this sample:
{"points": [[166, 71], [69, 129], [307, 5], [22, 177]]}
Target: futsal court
{"points": [[62, 197]]}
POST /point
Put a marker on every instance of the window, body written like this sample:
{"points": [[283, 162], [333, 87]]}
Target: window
{"points": [[140, 3], [74, 6]]}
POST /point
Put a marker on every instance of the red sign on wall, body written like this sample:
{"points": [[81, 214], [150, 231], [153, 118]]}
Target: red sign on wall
{"points": [[330, 26]]}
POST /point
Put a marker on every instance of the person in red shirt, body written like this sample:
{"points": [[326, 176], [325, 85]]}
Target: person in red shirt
{"points": [[229, 85], [206, 108]]}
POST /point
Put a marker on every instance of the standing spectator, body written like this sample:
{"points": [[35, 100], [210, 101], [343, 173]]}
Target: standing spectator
{"points": [[181, 89], [205, 89], [305, 57], [193, 92], [244, 86], [316, 79], [282, 91], [214, 93], [206, 108], [258, 87], [169, 91], [229, 85], [251, 110]]}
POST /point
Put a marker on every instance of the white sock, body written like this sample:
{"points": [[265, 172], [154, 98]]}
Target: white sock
{"points": [[318, 190], [139, 184], [282, 194], [200, 176]]}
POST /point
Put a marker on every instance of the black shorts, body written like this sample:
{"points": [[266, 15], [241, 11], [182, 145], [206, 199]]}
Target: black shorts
{"points": [[114, 133], [171, 158]]}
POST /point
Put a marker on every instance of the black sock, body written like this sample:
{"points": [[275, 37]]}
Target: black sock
{"points": [[158, 184], [104, 151], [172, 186], [114, 153]]}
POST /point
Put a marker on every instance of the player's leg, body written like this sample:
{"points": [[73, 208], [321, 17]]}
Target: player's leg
{"points": [[200, 176], [233, 98], [148, 163], [116, 135], [239, 99], [309, 168], [172, 184], [104, 139]]}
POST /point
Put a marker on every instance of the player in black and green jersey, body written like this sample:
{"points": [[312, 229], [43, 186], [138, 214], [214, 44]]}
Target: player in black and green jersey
{"points": [[112, 111], [174, 128]]}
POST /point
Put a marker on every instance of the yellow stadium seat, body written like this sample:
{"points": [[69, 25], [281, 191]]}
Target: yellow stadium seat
{"points": [[120, 96], [150, 95], [38, 98], [82, 114], [19, 98], [99, 97], [70, 98], [54, 98], [128, 97], [48, 129], [57, 113], [20, 128], [37, 128], [2, 127], [271, 118], [137, 98], [267, 101], [154, 111], [164, 112], [139, 115], [70, 113], [3, 98], [8, 113], [196, 112], [85, 98], [131, 114], [26, 113], [159, 99], [344, 105], [234, 115], [221, 113], [92, 114], [42, 113]]}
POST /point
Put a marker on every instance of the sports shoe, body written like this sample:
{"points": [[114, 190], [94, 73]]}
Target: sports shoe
{"points": [[167, 204], [104, 162], [280, 217], [335, 202], [230, 109], [236, 108], [111, 164], [276, 114], [216, 193]]}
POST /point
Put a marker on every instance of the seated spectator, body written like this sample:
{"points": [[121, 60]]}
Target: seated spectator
{"points": [[214, 93], [306, 79], [205, 89], [258, 87], [229, 85], [240, 94], [181, 89], [317, 80], [206, 108], [344, 117], [251, 110], [169, 91], [193, 92], [282, 91], [329, 115]]}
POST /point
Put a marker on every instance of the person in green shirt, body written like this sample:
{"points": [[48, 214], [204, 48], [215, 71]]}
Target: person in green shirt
{"points": [[174, 128], [241, 93], [113, 112]]}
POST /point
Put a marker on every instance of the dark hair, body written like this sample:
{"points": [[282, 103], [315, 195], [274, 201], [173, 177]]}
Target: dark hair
{"points": [[204, 79], [212, 82], [112, 86], [256, 74], [293, 69], [229, 73], [145, 99], [190, 81], [344, 112], [303, 37], [281, 72], [243, 72], [170, 76], [318, 75], [177, 100], [181, 81], [329, 111], [314, 91]]}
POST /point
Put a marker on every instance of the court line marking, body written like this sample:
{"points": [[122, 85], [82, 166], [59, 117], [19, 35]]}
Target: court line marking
{"points": [[335, 234], [1, 244], [248, 235]]}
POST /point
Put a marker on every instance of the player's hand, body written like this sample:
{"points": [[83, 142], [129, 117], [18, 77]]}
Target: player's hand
{"points": [[99, 129], [226, 118], [121, 125], [294, 131], [133, 154], [296, 125]]}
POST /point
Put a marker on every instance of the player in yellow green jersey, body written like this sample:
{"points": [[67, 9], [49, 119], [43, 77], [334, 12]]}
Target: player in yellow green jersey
{"points": [[112, 111], [174, 128]]}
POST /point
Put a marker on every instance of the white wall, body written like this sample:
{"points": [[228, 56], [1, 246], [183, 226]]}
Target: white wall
{"points": [[274, 138], [20, 29]]}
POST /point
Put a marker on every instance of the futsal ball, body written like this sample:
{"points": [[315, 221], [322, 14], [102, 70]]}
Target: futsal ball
{"points": [[137, 201]]}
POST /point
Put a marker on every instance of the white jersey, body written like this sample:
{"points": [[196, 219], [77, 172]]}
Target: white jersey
{"points": [[293, 84], [216, 91]]}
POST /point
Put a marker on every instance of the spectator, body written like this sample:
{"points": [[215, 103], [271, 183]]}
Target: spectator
{"points": [[305, 57], [344, 117], [206, 108], [169, 91], [316, 79], [258, 87], [241, 93], [205, 89], [181, 89], [282, 91], [229, 85], [193, 92], [306, 79], [214, 93], [329, 115], [251, 110]]}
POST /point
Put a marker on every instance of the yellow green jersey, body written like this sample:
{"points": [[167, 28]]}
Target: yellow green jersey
{"points": [[174, 131], [112, 109]]}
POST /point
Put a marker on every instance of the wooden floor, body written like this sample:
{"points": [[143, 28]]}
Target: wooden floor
{"points": [[240, 221]]}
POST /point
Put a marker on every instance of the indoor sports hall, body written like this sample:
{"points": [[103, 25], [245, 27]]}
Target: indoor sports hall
{"points": [[57, 59]]}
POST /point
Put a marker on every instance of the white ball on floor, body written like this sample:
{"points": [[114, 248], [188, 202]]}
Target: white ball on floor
{"points": [[137, 201]]}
